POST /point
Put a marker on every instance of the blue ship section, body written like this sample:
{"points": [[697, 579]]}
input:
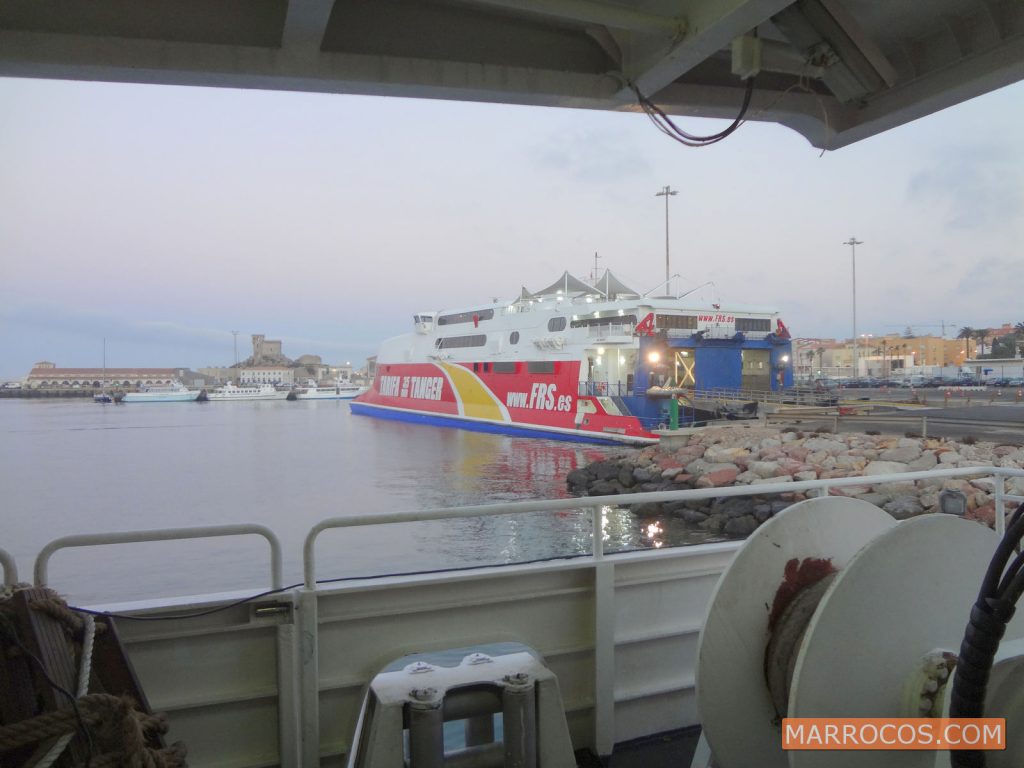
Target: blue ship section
{"points": [[476, 426], [718, 366]]}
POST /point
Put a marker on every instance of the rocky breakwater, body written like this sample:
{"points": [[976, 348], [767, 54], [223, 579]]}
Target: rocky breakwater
{"points": [[718, 457]]}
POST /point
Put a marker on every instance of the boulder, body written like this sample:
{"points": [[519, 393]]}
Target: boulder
{"points": [[714, 524], [605, 470], [903, 453], [741, 527], [769, 480], [853, 463], [903, 507], [693, 516], [763, 468], [578, 479], [603, 488], [925, 461], [644, 475], [984, 514], [824, 444], [718, 478], [885, 468], [720, 454]]}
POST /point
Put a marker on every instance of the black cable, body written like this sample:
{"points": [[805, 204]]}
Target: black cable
{"points": [[664, 123], [10, 631], [1001, 588], [195, 615], [250, 598]]}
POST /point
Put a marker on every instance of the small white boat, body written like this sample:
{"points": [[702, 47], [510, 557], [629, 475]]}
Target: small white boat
{"points": [[173, 393], [340, 390], [255, 392]]}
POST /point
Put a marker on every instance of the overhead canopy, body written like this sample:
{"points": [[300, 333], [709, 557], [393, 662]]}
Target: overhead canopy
{"points": [[836, 71], [566, 285], [614, 288]]}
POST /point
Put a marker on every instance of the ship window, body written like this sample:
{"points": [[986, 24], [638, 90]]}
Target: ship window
{"points": [[487, 367], [452, 342], [513, 338], [476, 367], [753, 324], [556, 324], [685, 322], [541, 366], [609, 320], [466, 317], [504, 367]]}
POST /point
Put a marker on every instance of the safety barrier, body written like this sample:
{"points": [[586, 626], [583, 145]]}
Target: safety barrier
{"points": [[162, 534]]}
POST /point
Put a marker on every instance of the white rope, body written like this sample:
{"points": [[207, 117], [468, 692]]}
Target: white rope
{"points": [[84, 672]]}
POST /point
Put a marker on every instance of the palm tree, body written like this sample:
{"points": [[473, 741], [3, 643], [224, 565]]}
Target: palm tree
{"points": [[966, 333], [981, 335]]}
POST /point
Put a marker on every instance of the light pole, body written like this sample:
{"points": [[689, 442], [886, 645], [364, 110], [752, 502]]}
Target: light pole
{"points": [[666, 192], [853, 243]]}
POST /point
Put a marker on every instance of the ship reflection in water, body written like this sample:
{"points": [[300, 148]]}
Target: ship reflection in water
{"points": [[69, 468]]}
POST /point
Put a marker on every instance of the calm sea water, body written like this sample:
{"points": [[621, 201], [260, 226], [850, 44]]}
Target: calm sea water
{"points": [[71, 467]]}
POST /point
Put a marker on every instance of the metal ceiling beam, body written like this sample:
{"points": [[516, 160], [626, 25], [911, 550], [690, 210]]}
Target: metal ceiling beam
{"points": [[591, 12], [710, 26], [306, 23], [107, 59]]}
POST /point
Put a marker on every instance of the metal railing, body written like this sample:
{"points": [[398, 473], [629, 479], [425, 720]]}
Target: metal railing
{"points": [[10, 568], [603, 389], [162, 534], [595, 504]]}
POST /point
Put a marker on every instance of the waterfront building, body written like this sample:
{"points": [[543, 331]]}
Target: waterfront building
{"points": [[278, 375], [48, 376]]}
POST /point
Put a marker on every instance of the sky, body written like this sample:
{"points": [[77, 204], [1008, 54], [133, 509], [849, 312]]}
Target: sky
{"points": [[159, 219]]}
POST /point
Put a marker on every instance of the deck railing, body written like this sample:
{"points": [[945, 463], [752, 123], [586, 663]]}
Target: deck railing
{"points": [[298, 622]]}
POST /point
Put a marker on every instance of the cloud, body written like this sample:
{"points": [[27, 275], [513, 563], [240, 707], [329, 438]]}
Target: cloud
{"points": [[975, 186], [596, 156]]}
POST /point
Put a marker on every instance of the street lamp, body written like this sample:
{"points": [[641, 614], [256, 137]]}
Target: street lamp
{"points": [[853, 243], [666, 192]]}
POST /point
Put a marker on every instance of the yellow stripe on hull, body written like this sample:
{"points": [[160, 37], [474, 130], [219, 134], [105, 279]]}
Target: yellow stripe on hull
{"points": [[478, 401]]}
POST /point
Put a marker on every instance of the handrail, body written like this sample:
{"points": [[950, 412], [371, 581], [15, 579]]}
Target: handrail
{"points": [[163, 534], [594, 503], [10, 568]]}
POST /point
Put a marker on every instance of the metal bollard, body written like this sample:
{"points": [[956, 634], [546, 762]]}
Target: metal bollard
{"points": [[519, 718], [426, 729]]}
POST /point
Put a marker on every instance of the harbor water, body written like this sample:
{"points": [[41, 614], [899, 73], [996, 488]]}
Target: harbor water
{"points": [[71, 467]]}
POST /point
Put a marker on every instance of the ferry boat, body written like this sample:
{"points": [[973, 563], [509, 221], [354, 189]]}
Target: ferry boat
{"points": [[341, 390], [597, 363], [232, 392], [174, 393]]}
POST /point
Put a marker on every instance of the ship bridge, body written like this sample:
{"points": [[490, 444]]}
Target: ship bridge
{"points": [[836, 71]]}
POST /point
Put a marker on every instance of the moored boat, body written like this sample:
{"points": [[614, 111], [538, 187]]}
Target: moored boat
{"points": [[232, 392], [340, 390], [599, 363], [174, 393]]}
